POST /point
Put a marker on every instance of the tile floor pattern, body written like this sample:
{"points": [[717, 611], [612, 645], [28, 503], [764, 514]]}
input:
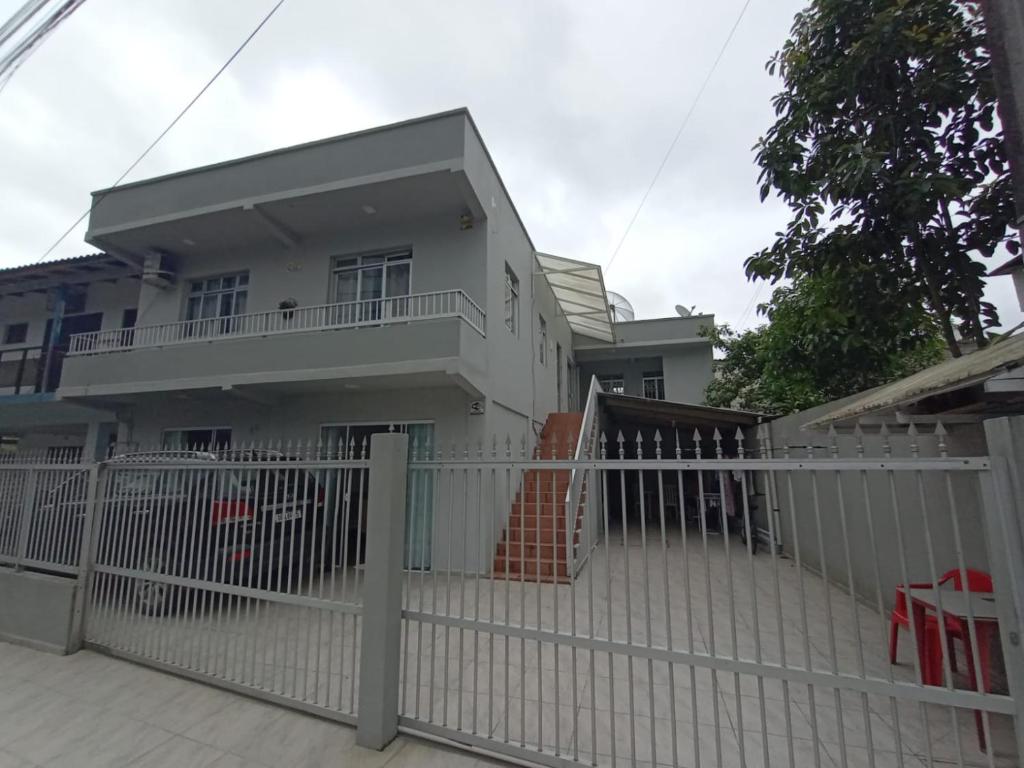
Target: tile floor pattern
{"points": [[89, 710], [600, 708]]}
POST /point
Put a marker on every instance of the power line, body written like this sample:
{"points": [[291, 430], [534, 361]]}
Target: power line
{"points": [[166, 130], [682, 127], [12, 61], [750, 305]]}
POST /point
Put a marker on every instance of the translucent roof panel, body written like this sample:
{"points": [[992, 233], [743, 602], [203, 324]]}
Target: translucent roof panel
{"points": [[579, 288]]}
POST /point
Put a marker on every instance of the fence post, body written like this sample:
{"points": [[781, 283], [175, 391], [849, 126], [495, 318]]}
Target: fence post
{"points": [[28, 508], [87, 554], [1001, 491], [380, 654]]}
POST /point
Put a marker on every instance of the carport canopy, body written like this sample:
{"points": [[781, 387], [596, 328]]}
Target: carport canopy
{"points": [[632, 414]]}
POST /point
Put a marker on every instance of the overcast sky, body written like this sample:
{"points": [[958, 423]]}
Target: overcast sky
{"points": [[577, 102]]}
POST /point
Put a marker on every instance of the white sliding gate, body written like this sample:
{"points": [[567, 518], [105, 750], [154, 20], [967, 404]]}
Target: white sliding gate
{"points": [[678, 644], [237, 567]]}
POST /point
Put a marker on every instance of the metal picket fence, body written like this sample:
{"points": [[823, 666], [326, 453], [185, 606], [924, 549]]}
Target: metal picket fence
{"points": [[42, 509], [680, 640], [651, 599]]}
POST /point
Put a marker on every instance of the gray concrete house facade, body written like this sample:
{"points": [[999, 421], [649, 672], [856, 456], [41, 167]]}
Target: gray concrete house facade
{"points": [[324, 291]]}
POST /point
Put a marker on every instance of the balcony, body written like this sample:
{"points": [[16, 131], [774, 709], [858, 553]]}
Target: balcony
{"points": [[438, 335]]}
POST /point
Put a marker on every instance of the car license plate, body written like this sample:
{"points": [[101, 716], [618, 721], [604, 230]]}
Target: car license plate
{"points": [[290, 514]]}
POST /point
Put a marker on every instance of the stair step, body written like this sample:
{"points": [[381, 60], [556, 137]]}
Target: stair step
{"points": [[528, 568], [531, 551]]}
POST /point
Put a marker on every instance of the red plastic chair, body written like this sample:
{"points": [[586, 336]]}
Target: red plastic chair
{"points": [[901, 617]]}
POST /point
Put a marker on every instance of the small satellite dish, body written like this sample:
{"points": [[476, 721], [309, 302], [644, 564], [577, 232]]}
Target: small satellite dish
{"points": [[683, 311], [622, 310]]}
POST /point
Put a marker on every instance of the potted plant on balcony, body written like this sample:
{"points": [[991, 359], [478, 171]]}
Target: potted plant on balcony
{"points": [[287, 307]]}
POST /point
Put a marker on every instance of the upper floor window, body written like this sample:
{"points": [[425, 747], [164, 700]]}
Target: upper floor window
{"points": [[654, 385], [511, 300], [74, 300], [612, 383], [543, 356], [16, 333], [370, 277], [222, 296]]}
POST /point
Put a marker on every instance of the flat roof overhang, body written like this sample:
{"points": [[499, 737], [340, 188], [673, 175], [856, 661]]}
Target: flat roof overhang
{"points": [[289, 217]]}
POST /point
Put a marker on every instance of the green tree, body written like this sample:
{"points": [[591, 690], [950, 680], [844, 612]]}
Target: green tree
{"points": [[888, 153], [809, 353]]}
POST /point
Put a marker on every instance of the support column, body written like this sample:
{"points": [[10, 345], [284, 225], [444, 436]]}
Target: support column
{"points": [[380, 655], [1003, 508]]}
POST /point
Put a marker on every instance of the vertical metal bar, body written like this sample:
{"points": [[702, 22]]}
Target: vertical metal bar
{"points": [[28, 510], [710, 613], [647, 606], [803, 616], [608, 610], [827, 589], [668, 612], [629, 610]]}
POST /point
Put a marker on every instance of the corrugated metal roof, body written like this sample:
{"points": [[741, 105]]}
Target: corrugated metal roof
{"points": [[957, 373], [42, 266]]}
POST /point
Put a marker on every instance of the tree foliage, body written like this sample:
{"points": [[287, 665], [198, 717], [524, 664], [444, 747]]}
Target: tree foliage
{"points": [[807, 354], [888, 153]]}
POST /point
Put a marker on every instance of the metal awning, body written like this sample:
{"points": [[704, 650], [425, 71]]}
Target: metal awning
{"points": [[950, 375], [661, 413], [579, 288]]}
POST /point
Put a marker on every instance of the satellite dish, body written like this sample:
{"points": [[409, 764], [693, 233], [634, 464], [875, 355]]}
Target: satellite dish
{"points": [[622, 310], [683, 311]]}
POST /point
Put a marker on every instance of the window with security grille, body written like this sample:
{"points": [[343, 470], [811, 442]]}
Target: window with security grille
{"points": [[654, 386]]}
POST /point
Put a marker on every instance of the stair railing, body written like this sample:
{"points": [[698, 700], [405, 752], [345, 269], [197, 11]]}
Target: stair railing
{"points": [[586, 444]]}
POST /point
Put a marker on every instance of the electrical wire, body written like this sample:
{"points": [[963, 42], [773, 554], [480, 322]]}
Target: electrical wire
{"points": [[675, 139], [750, 305], [165, 131], [12, 61]]}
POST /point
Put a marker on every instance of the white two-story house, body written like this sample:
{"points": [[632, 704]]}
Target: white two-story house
{"points": [[316, 294]]}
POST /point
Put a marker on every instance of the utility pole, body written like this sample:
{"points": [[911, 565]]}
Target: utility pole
{"points": [[1004, 24]]}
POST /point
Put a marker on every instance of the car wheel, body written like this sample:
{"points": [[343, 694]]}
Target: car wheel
{"points": [[154, 598]]}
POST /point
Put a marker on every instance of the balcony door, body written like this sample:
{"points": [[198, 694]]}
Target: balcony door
{"points": [[372, 287]]}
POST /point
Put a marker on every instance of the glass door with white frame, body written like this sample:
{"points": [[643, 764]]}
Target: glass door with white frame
{"points": [[371, 288], [419, 486]]}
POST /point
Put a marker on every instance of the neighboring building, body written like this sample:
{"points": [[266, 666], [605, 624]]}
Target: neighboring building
{"points": [[41, 307], [381, 279]]}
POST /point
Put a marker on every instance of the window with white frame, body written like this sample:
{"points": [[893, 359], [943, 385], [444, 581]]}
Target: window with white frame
{"points": [[371, 286], [654, 385], [543, 330], [612, 383], [222, 296], [511, 300]]}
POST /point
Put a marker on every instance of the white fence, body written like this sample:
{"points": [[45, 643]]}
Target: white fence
{"points": [[675, 641]]}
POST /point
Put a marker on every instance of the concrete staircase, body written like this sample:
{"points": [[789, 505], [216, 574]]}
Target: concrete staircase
{"points": [[533, 546]]}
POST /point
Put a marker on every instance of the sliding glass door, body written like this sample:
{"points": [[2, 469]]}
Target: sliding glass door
{"points": [[354, 439]]}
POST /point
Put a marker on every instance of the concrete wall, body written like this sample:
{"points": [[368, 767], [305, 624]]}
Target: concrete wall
{"points": [[671, 345], [370, 154], [632, 370], [36, 610], [443, 345], [898, 527], [687, 374]]}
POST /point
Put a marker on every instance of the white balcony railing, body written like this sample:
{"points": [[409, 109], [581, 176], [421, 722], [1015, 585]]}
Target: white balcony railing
{"points": [[354, 314]]}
